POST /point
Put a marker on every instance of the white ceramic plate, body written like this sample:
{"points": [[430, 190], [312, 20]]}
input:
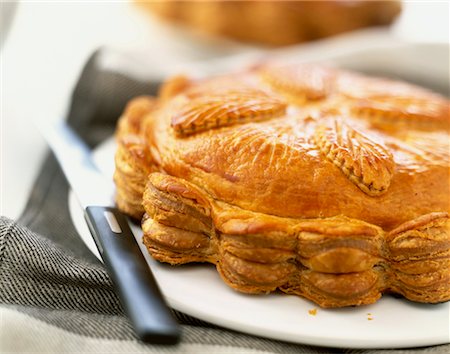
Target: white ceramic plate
{"points": [[198, 291]]}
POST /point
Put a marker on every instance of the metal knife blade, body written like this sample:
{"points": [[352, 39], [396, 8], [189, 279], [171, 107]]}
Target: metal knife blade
{"points": [[132, 277], [74, 157]]}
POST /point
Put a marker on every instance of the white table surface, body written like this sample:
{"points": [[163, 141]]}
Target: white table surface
{"points": [[49, 42]]}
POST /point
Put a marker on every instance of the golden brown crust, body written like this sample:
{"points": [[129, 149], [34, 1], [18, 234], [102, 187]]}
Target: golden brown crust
{"points": [[132, 160], [133, 165], [390, 105], [173, 86], [268, 155], [301, 83], [306, 197], [134, 114]]}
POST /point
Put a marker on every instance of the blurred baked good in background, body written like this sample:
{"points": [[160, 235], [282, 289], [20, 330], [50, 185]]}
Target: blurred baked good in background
{"points": [[276, 23]]}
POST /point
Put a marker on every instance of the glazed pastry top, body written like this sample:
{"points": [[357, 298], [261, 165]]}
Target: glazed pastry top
{"points": [[306, 142]]}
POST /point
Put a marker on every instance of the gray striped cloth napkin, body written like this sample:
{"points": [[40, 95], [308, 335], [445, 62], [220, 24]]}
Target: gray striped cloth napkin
{"points": [[56, 297]]}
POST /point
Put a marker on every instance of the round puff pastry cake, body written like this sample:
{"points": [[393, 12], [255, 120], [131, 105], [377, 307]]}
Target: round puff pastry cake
{"points": [[302, 178]]}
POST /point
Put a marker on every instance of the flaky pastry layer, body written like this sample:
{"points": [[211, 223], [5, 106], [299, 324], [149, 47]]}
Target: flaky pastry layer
{"points": [[334, 261]]}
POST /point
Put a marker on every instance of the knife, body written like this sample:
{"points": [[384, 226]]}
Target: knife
{"points": [[135, 284]]}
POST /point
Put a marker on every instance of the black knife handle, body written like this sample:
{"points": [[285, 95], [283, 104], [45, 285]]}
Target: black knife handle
{"points": [[136, 285]]}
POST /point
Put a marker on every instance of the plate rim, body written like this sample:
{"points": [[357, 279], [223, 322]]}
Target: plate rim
{"points": [[319, 340]]}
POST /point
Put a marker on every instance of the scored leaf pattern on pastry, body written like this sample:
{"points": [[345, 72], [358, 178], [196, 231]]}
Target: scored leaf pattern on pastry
{"points": [[366, 163], [225, 107], [388, 104], [390, 112], [306, 82]]}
